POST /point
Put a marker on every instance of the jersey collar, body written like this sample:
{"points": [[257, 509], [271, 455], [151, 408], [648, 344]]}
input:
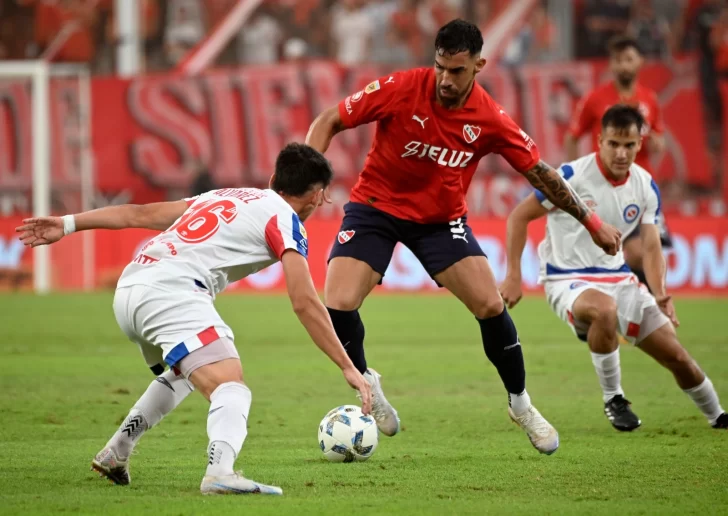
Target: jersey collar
{"points": [[606, 175]]}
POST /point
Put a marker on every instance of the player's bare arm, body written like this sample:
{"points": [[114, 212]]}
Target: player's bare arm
{"points": [[315, 318], [324, 128], [46, 230], [655, 268], [544, 178], [527, 210]]}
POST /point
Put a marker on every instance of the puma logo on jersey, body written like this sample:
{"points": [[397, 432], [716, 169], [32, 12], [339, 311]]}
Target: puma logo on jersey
{"points": [[345, 236], [442, 156], [421, 121], [390, 80]]}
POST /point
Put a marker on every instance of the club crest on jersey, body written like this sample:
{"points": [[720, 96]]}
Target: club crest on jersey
{"points": [[630, 213], [345, 236], [372, 87], [471, 133], [356, 97]]}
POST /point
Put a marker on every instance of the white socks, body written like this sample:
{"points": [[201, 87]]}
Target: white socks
{"points": [[161, 397], [609, 373], [519, 403], [706, 399], [227, 426]]}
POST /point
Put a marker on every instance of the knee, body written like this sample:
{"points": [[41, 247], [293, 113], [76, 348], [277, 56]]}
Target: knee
{"points": [[604, 314], [342, 299], [209, 377], [680, 360], [487, 308]]}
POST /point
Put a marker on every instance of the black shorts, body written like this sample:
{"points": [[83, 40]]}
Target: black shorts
{"points": [[369, 235]]}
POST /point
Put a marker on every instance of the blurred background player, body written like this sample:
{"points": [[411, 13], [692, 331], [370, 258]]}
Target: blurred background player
{"points": [[625, 61], [595, 293], [164, 302], [433, 127]]}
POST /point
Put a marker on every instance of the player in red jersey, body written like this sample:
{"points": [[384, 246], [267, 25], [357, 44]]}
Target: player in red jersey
{"points": [[625, 62], [433, 126]]}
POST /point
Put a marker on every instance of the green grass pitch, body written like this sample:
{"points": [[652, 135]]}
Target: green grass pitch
{"points": [[68, 377]]}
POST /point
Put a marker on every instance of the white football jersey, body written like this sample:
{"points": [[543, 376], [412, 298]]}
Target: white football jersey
{"points": [[568, 250], [224, 236]]}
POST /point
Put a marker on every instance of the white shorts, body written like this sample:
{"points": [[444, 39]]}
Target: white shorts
{"points": [[637, 310], [168, 325]]}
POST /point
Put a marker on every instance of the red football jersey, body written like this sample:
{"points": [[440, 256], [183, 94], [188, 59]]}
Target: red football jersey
{"points": [[424, 156], [591, 108]]}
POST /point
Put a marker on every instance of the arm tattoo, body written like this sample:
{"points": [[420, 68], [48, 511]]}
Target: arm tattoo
{"points": [[556, 190]]}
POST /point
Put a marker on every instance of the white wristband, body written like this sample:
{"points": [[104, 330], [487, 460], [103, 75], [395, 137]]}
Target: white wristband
{"points": [[69, 224]]}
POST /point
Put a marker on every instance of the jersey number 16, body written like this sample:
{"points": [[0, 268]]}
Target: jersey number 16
{"points": [[203, 221]]}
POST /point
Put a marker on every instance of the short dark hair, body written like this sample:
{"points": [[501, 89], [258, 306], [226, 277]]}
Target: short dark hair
{"points": [[622, 42], [622, 117], [299, 168], [459, 36]]}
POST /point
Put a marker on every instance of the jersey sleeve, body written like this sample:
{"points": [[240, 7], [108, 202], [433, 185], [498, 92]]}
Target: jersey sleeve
{"points": [[512, 142], [190, 200], [567, 172], [583, 118], [377, 101], [285, 231], [653, 205]]}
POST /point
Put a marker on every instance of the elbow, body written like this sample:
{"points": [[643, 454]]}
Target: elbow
{"points": [[303, 305]]}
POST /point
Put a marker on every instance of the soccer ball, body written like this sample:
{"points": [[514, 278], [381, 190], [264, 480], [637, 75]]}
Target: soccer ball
{"points": [[346, 434]]}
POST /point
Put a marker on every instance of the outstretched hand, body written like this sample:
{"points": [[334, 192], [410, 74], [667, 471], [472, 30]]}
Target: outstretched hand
{"points": [[511, 291], [608, 238], [665, 304], [40, 231], [356, 380]]}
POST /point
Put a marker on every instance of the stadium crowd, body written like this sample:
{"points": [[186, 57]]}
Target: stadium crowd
{"points": [[394, 32]]}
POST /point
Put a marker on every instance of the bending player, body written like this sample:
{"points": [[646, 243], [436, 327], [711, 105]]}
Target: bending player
{"points": [[164, 302], [433, 126], [625, 61], [595, 293]]}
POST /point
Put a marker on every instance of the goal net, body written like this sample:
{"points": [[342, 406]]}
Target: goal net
{"points": [[45, 164]]}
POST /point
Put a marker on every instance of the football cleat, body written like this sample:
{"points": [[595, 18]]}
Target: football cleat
{"points": [[108, 465], [543, 436], [620, 414], [383, 412], [721, 422], [235, 484]]}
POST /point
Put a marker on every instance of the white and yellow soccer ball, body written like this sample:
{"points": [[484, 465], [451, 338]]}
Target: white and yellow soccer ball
{"points": [[346, 435]]}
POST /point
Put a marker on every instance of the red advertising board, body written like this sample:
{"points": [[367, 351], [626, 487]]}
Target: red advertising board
{"points": [[149, 132], [698, 263]]}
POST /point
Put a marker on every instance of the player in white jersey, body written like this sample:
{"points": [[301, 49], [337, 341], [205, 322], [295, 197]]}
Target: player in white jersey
{"points": [[164, 302], [597, 294]]}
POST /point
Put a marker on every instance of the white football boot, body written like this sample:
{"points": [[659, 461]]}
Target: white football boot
{"points": [[235, 484], [383, 412], [108, 464], [543, 436]]}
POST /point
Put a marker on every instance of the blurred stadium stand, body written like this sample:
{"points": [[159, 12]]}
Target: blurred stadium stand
{"points": [[158, 135]]}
